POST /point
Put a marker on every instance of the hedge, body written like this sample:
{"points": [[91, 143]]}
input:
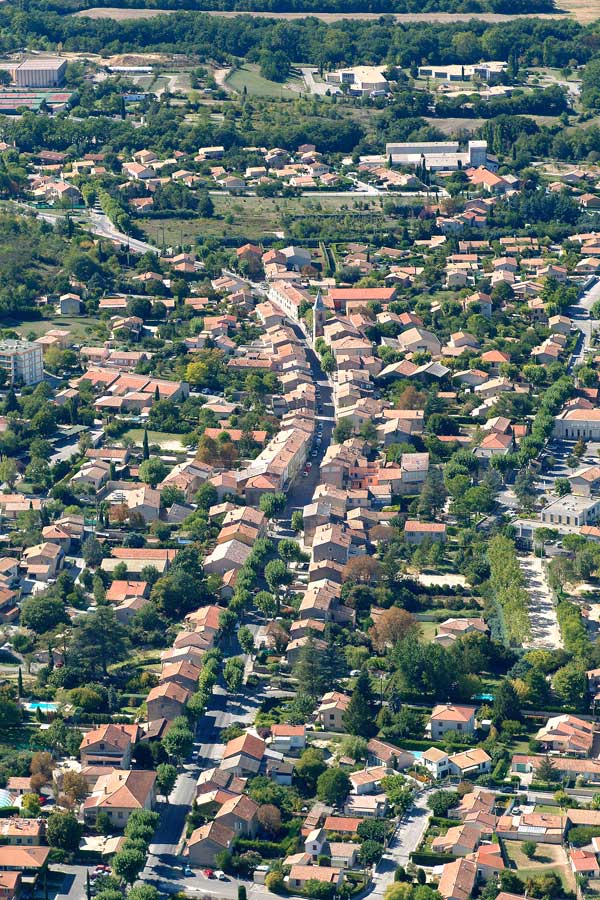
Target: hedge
{"points": [[423, 858], [7, 811], [581, 835]]}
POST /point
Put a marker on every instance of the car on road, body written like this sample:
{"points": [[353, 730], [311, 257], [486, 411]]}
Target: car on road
{"points": [[221, 875], [305, 473], [189, 873], [208, 873], [314, 453]]}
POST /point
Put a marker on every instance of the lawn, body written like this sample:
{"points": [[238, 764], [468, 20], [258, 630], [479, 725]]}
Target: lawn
{"points": [[166, 440], [80, 327], [548, 858], [250, 78]]}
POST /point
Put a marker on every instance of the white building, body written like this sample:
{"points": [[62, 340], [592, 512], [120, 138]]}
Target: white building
{"points": [[438, 155], [487, 71], [363, 81], [22, 361], [571, 510], [38, 72]]}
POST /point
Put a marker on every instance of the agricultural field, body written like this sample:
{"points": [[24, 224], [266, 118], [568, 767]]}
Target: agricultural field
{"points": [[582, 10]]}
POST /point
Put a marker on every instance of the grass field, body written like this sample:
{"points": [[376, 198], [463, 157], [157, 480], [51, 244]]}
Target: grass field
{"points": [[548, 858], [250, 78], [164, 439], [80, 328], [253, 217]]}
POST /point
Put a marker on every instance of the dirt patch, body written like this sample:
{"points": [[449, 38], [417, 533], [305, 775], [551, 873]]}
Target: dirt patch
{"points": [[585, 11], [580, 7]]}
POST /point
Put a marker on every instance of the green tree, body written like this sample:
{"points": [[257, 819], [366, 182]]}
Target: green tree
{"points": [[529, 848], [297, 520], [128, 864], [152, 471], [272, 504], [308, 769], [359, 717], [333, 786], [166, 776], [92, 552], [64, 831], [569, 683], [506, 703], [233, 673], [246, 639], [179, 739], [43, 612], [8, 471], [440, 802]]}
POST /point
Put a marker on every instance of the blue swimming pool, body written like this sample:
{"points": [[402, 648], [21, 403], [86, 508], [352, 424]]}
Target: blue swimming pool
{"points": [[418, 754], [5, 799], [42, 706]]}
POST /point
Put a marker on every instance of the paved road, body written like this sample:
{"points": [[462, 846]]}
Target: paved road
{"points": [[580, 314], [406, 839], [101, 225]]}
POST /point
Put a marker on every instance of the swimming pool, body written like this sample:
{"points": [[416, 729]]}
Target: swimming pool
{"points": [[42, 706], [5, 799], [418, 754]]}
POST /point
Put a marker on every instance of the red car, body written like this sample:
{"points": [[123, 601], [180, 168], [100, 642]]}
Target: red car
{"points": [[208, 873]]}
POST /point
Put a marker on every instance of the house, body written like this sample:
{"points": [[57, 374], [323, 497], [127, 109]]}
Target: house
{"points": [[494, 444], [436, 762], [288, 738], [167, 701], [10, 885], [227, 556], [109, 745], [567, 734], [206, 842], [451, 629], [243, 755], [331, 710], [450, 717], [489, 861], [584, 862], [416, 532], [23, 859], [380, 753], [543, 828], [368, 781], [118, 793], [459, 840], [183, 673], [458, 880], [366, 806], [42, 561], [586, 483], [239, 814], [300, 875], [470, 763], [22, 832], [342, 824], [575, 423]]}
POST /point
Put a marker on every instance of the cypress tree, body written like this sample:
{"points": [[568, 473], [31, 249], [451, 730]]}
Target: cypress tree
{"points": [[359, 717]]}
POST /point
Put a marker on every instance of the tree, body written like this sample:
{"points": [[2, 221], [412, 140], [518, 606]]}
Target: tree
{"points": [[362, 570], [333, 786], [8, 471], [74, 785], [179, 739], [546, 771], [562, 486], [310, 670], [43, 612], [166, 776], [92, 552], [433, 494], [30, 806], [270, 818], [442, 801], [569, 683], [64, 831], [152, 471], [529, 848], [42, 764], [276, 574], [308, 769], [246, 639], [274, 882], [143, 892], [272, 504], [98, 641], [233, 673], [289, 550], [359, 717], [399, 890], [266, 604], [391, 626], [506, 703], [297, 520], [128, 864], [370, 852], [145, 446]]}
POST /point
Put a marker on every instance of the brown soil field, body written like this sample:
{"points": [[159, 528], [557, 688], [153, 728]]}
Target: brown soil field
{"points": [[111, 12]]}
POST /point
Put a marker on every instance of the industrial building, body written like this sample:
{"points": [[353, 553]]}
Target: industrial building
{"points": [[486, 71], [37, 72], [22, 361], [438, 155]]}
